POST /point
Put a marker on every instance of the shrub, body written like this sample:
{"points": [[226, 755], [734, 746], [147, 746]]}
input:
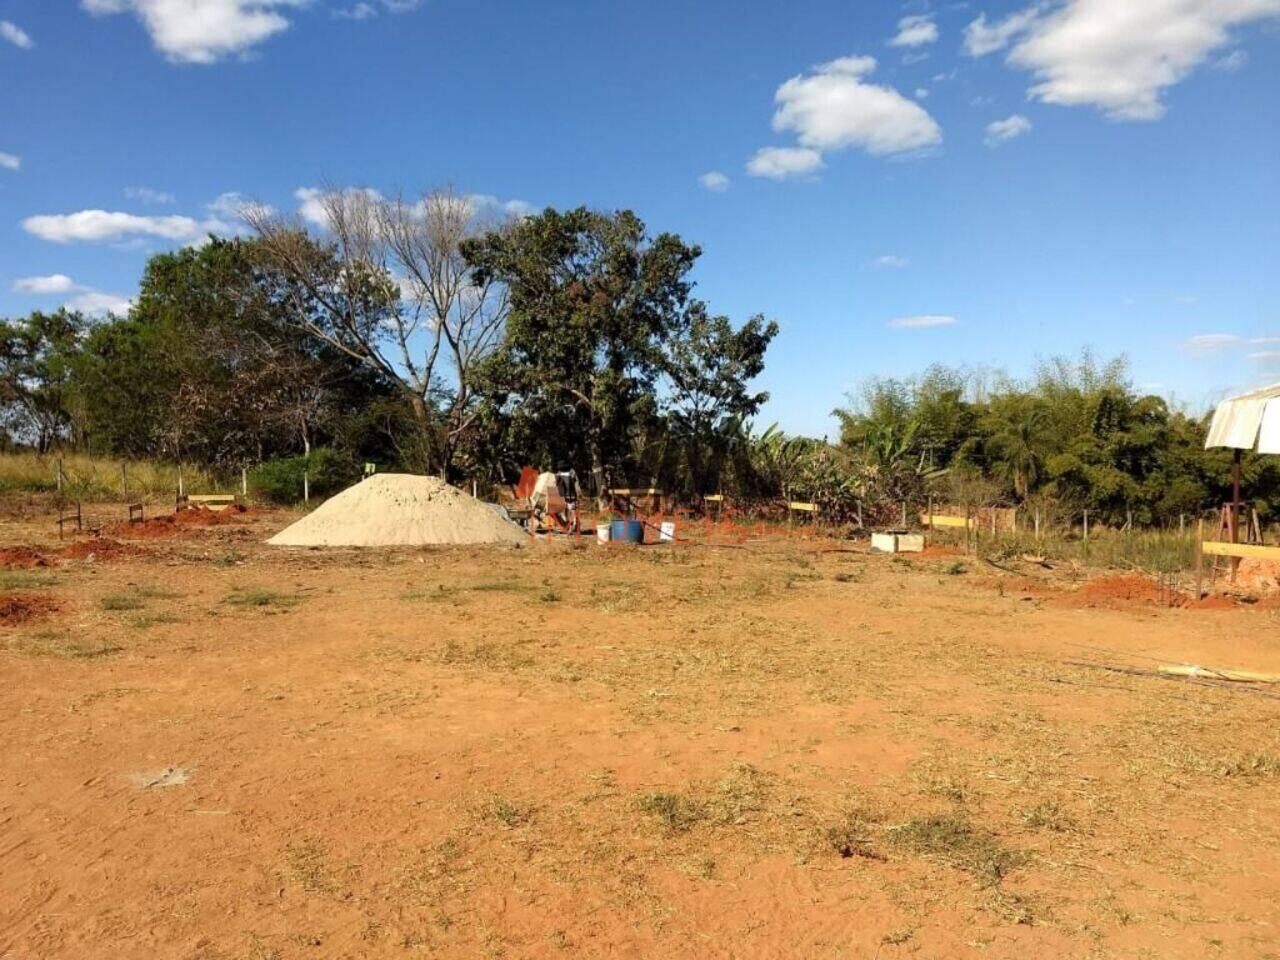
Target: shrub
{"points": [[280, 481]]}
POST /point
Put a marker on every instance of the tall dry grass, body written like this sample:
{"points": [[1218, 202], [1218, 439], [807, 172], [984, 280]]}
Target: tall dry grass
{"points": [[1151, 551], [97, 478]]}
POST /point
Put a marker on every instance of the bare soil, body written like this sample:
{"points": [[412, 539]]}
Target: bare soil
{"points": [[217, 749]]}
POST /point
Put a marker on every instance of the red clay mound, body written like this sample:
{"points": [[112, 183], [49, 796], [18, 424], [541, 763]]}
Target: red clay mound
{"points": [[1133, 589], [98, 548], [172, 524], [18, 608], [27, 557], [1126, 589]]}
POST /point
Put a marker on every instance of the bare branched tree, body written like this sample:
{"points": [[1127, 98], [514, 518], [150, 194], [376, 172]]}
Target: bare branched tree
{"points": [[386, 285]]}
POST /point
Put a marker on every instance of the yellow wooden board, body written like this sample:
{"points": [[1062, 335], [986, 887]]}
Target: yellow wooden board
{"points": [[942, 520], [803, 507], [627, 492], [1221, 548]]}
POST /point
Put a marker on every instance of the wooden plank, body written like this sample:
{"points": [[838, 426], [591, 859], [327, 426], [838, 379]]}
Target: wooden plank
{"points": [[942, 520], [628, 492], [803, 507], [212, 498], [714, 498], [1221, 548]]}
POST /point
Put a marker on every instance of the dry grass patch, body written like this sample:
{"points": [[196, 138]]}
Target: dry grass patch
{"points": [[952, 839], [260, 598]]}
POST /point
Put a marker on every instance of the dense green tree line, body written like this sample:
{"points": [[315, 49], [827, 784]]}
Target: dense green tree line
{"points": [[410, 336], [420, 337], [1075, 437]]}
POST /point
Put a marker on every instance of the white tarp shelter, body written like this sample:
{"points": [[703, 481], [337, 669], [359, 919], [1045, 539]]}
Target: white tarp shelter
{"points": [[1247, 422]]}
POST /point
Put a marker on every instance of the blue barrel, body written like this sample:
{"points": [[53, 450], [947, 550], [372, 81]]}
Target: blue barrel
{"points": [[627, 531]]}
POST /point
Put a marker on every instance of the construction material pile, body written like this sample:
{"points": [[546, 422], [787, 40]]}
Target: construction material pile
{"points": [[399, 509]]}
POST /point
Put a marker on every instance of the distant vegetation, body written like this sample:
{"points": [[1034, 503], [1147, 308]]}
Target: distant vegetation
{"points": [[417, 336]]}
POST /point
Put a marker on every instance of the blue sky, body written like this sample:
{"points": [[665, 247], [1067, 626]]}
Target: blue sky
{"points": [[897, 184]]}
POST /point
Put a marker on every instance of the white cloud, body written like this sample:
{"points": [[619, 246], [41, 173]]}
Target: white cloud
{"points": [[147, 195], [1212, 342], [981, 39], [715, 181], [779, 163], [890, 261], [483, 204], [1265, 355], [53, 283], [86, 299], [998, 131], [366, 10], [10, 161], [108, 226], [1233, 61], [915, 31], [921, 322], [311, 206], [96, 303], [921, 93], [16, 35], [228, 217], [203, 31], [102, 226], [1117, 56], [833, 107], [1209, 342], [361, 11]]}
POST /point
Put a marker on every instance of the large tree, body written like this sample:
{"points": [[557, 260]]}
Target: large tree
{"points": [[385, 284], [593, 301], [37, 358], [206, 367], [709, 366]]}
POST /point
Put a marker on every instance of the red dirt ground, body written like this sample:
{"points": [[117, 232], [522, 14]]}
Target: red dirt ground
{"points": [[20, 608], [941, 550], [99, 548], [172, 524], [27, 557], [229, 751]]}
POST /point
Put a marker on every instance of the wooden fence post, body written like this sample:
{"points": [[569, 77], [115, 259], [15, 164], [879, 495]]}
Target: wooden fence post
{"points": [[1200, 560], [1037, 522], [244, 482], [58, 480], [124, 483], [182, 485], [306, 487]]}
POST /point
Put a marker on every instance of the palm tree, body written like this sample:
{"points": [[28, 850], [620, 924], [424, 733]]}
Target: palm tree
{"points": [[1017, 447]]}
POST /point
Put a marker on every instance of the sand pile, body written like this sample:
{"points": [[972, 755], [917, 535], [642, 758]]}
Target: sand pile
{"points": [[399, 509]]}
